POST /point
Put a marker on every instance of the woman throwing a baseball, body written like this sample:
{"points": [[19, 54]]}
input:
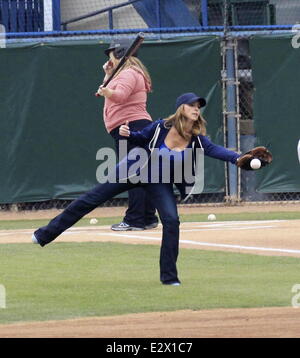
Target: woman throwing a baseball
{"points": [[176, 139]]}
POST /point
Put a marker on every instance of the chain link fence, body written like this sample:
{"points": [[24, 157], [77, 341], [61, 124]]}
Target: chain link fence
{"points": [[55, 204]]}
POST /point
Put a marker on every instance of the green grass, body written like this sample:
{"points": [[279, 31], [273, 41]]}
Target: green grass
{"points": [[67, 280], [32, 224]]}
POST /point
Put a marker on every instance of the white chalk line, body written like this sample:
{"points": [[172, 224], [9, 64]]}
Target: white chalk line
{"points": [[227, 228], [209, 244], [229, 223]]}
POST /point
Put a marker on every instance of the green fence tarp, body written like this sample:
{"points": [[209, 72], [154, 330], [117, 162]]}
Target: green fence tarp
{"points": [[51, 123], [276, 76]]}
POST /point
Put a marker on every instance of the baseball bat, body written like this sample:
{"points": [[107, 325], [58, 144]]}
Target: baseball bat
{"points": [[129, 52]]}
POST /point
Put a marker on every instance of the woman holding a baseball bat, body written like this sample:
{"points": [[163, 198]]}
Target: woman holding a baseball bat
{"points": [[125, 100], [177, 139]]}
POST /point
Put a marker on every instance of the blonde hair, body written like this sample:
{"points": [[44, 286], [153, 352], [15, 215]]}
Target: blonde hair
{"points": [[136, 64], [179, 121]]}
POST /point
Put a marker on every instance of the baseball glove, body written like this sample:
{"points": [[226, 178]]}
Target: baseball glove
{"points": [[260, 153]]}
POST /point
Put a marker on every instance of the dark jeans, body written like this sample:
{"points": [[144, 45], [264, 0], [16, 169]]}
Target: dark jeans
{"points": [[141, 210], [166, 207]]}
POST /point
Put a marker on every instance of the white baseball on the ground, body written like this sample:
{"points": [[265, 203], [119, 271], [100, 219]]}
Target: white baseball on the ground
{"points": [[298, 149], [211, 217], [255, 163], [93, 221]]}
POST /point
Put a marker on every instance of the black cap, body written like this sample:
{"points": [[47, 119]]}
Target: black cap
{"points": [[119, 47]]}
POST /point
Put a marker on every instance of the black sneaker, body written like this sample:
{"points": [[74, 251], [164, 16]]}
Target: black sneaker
{"points": [[125, 227], [151, 226]]}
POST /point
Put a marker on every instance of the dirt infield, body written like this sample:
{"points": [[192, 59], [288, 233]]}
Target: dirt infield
{"points": [[227, 323], [277, 237], [264, 237]]}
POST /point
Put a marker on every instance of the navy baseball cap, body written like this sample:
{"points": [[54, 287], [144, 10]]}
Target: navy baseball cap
{"points": [[188, 98]]}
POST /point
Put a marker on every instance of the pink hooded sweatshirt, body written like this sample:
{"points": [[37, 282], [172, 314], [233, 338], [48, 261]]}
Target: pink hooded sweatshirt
{"points": [[128, 103]]}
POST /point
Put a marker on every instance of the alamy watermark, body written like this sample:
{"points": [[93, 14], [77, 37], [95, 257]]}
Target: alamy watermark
{"points": [[296, 298], [296, 37], [161, 166], [2, 36], [2, 296]]}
